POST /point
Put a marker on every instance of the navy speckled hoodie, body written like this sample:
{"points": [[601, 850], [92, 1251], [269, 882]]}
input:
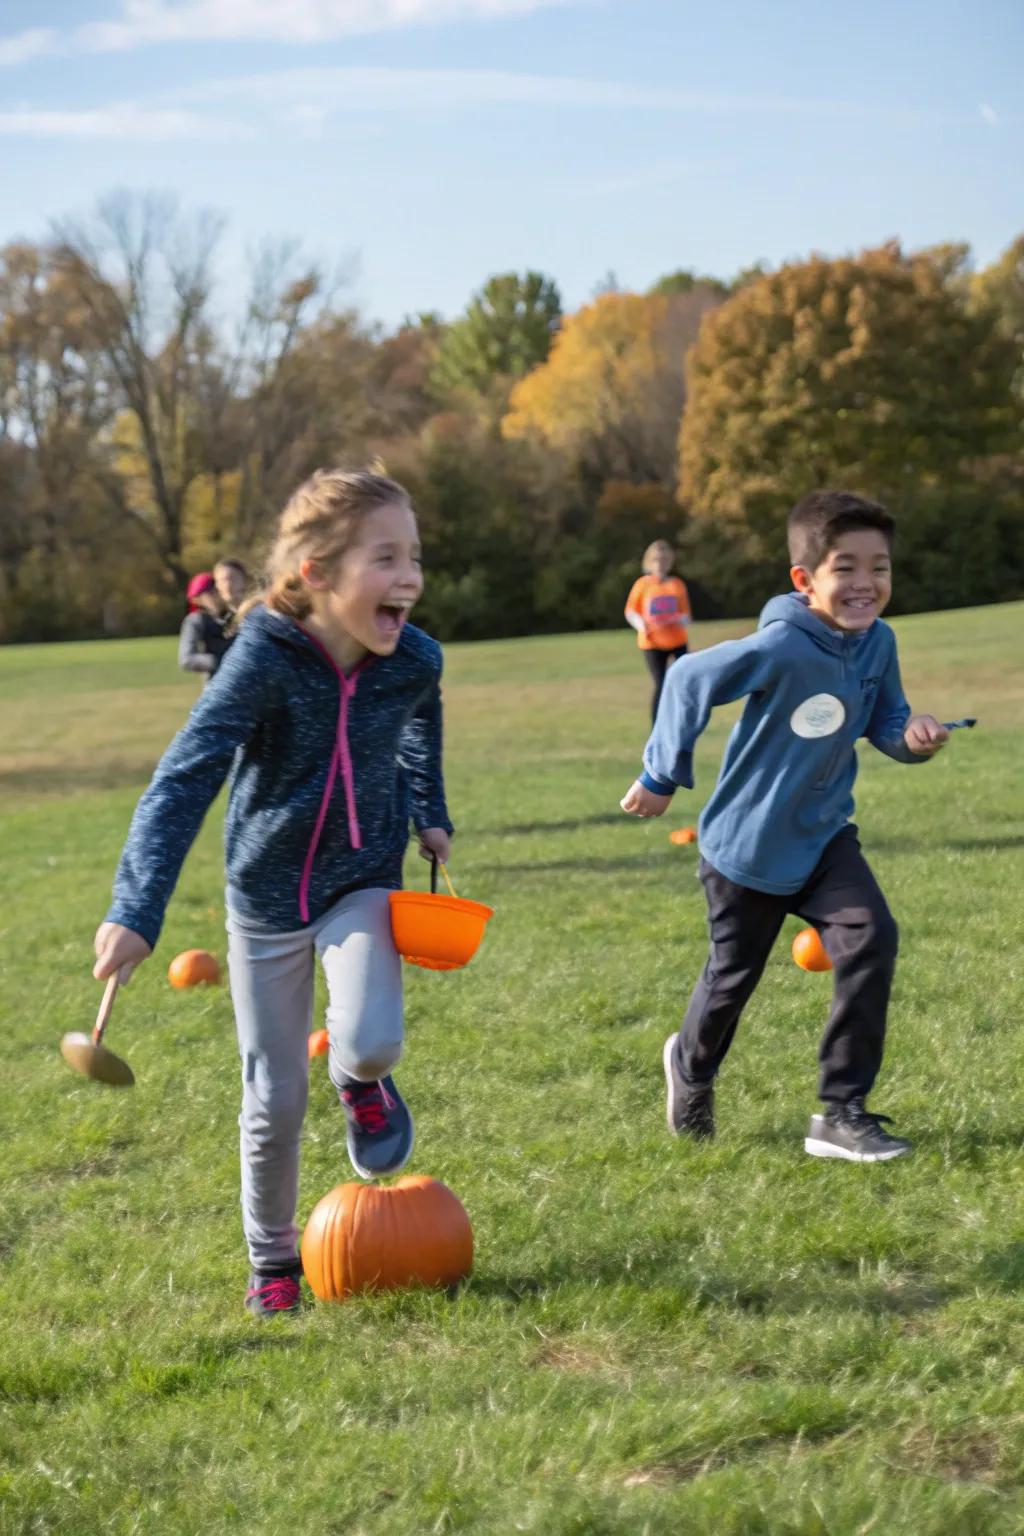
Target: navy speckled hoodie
{"points": [[325, 772]]}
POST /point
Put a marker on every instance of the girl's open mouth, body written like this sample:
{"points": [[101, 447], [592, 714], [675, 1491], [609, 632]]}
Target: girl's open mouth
{"points": [[391, 617]]}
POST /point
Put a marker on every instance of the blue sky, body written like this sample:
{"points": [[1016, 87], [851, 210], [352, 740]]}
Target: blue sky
{"points": [[438, 141]]}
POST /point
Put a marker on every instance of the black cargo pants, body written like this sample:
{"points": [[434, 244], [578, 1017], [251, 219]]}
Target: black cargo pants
{"points": [[843, 902]]}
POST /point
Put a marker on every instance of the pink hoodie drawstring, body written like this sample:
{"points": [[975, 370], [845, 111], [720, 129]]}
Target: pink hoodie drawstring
{"points": [[341, 759]]}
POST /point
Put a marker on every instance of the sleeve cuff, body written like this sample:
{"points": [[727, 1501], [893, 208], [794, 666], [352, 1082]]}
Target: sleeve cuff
{"points": [[656, 786], [144, 926], [421, 822]]}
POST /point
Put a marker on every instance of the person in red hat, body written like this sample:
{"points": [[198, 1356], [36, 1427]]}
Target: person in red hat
{"points": [[202, 642]]}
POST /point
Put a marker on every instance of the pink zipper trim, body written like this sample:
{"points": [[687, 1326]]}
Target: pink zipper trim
{"points": [[341, 760], [344, 757]]}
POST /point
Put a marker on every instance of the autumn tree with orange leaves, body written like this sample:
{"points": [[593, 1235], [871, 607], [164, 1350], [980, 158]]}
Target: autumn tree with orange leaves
{"points": [[873, 372]]}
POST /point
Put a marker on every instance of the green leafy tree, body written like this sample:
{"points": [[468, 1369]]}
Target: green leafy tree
{"points": [[506, 330], [685, 281], [1001, 286]]}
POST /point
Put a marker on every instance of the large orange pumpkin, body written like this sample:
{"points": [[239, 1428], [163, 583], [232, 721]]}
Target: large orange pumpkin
{"points": [[809, 951], [374, 1237], [192, 967]]}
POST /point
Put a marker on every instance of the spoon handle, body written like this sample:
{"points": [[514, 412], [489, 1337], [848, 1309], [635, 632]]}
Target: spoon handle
{"points": [[106, 1008]]}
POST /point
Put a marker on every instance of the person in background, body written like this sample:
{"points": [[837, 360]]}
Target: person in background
{"points": [[658, 608], [202, 642], [231, 580]]}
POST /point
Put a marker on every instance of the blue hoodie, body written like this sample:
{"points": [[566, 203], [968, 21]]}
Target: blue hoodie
{"points": [[786, 783], [325, 768]]}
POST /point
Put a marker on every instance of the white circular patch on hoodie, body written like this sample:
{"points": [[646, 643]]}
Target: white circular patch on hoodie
{"points": [[820, 715]]}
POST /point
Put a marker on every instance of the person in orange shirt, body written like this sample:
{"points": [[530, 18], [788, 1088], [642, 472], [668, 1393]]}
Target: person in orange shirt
{"points": [[658, 607]]}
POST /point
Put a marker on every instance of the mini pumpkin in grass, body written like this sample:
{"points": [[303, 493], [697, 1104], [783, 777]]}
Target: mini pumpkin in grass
{"points": [[192, 968], [375, 1237], [319, 1043], [809, 951], [683, 835]]}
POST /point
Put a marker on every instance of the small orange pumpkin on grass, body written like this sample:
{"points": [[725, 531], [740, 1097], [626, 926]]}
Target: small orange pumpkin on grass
{"points": [[809, 951], [192, 968], [683, 835]]}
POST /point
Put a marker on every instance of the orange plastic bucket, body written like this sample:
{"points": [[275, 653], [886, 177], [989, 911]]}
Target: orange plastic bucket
{"points": [[440, 933]]}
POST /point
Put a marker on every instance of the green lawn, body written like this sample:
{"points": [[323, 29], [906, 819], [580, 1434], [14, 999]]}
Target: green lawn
{"points": [[657, 1338]]}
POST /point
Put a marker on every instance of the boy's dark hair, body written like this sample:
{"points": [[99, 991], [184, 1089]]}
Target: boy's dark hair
{"points": [[236, 565], [822, 517]]}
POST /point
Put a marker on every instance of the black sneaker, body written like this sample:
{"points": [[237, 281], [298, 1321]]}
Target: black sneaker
{"points": [[690, 1107], [852, 1132], [380, 1128], [274, 1294]]}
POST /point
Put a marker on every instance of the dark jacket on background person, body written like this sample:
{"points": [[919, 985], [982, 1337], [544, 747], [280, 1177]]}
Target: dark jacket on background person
{"points": [[326, 768], [202, 643]]}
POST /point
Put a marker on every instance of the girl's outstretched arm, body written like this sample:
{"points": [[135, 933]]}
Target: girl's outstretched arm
{"points": [[186, 782]]}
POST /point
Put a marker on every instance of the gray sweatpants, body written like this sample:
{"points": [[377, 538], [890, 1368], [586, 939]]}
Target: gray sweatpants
{"points": [[272, 977]]}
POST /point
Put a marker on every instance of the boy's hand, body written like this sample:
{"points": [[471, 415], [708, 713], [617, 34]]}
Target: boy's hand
{"points": [[924, 735], [118, 949], [638, 801], [435, 844]]}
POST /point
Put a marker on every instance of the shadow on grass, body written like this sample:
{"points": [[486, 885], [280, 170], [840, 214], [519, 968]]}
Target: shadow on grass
{"points": [[835, 1286], [63, 778], [263, 1338], [1005, 1268], [572, 824], [953, 844], [594, 865]]}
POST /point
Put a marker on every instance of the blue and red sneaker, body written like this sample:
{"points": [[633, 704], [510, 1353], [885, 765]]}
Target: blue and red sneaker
{"points": [[380, 1129], [274, 1293]]}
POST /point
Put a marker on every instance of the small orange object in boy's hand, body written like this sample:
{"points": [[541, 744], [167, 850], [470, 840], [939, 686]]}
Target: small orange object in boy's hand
{"points": [[319, 1043], [683, 835]]}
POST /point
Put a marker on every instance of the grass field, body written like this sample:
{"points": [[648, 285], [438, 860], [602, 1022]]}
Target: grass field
{"points": [[657, 1337]]}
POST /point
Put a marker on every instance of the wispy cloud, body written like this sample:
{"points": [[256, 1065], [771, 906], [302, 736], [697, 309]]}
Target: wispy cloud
{"points": [[32, 44], [123, 121], [306, 101], [141, 23], [988, 113], [381, 88]]}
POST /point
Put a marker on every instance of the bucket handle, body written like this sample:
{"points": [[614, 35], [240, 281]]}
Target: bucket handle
{"points": [[435, 864]]}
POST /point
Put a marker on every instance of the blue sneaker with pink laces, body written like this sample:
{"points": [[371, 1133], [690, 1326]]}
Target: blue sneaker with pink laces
{"points": [[274, 1293], [380, 1129]]}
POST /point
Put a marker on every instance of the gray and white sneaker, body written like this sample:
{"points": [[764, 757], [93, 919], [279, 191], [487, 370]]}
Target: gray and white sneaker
{"points": [[852, 1132], [689, 1107], [380, 1130]]}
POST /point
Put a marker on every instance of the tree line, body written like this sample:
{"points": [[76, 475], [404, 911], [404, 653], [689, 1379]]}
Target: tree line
{"points": [[143, 433]]}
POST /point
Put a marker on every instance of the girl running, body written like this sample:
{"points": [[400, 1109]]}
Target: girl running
{"points": [[327, 713]]}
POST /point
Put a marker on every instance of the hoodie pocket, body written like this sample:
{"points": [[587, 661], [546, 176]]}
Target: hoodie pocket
{"points": [[832, 761]]}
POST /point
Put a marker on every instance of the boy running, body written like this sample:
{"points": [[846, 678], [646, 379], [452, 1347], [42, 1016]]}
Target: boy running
{"points": [[776, 836]]}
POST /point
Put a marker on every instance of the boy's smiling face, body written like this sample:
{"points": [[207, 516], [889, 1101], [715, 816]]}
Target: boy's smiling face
{"points": [[853, 584]]}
